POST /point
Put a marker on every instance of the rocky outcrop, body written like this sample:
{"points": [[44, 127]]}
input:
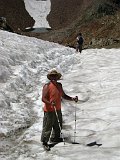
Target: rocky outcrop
{"points": [[99, 21], [17, 16]]}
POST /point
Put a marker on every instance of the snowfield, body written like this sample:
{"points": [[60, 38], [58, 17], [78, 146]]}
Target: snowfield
{"points": [[93, 75]]}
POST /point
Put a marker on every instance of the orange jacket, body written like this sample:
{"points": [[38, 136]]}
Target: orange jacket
{"points": [[54, 94]]}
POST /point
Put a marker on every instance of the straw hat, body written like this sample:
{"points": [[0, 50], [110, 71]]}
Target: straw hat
{"points": [[52, 73]]}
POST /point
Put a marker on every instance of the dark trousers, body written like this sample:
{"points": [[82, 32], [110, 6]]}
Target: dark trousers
{"points": [[79, 48], [51, 126]]}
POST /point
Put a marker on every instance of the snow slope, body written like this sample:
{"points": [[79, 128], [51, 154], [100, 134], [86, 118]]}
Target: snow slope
{"points": [[24, 64]]}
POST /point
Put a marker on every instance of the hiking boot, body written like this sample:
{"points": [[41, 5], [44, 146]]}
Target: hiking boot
{"points": [[46, 147]]}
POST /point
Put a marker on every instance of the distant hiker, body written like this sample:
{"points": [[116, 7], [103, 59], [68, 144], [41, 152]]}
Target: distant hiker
{"points": [[4, 25], [51, 95], [79, 43]]}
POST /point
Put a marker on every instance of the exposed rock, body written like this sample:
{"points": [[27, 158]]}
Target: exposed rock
{"points": [[96, 20], [17, 16]]}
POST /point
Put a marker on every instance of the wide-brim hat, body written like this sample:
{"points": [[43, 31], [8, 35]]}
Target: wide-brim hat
{"points": [[52, 73]]}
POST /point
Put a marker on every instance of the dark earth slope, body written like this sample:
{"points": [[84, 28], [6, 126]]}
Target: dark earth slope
{"points": [[15, 13], [99, 21]]}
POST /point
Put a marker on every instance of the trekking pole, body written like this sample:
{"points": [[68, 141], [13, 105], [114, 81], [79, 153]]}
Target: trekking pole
{"points": [[59, 124], [74, 142]]}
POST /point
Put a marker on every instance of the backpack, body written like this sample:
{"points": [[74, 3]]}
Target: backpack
{"points": [[80, 40]]}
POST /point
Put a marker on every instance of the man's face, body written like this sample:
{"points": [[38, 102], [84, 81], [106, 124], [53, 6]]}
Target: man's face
{"points": [[54, 77]]}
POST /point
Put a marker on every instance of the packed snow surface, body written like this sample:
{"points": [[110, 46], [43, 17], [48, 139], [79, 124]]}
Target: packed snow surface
{"points": [[93, 75]]}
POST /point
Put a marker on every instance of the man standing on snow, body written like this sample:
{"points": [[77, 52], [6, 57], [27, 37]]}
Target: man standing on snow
{"points": [[79, 43], [51, 95]]}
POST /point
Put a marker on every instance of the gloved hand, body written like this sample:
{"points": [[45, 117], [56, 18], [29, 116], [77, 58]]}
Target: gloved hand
{"points": [[75, 99]]}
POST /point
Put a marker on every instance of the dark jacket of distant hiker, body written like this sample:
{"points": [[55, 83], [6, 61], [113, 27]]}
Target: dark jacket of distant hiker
{"points": [[79, 43]]}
